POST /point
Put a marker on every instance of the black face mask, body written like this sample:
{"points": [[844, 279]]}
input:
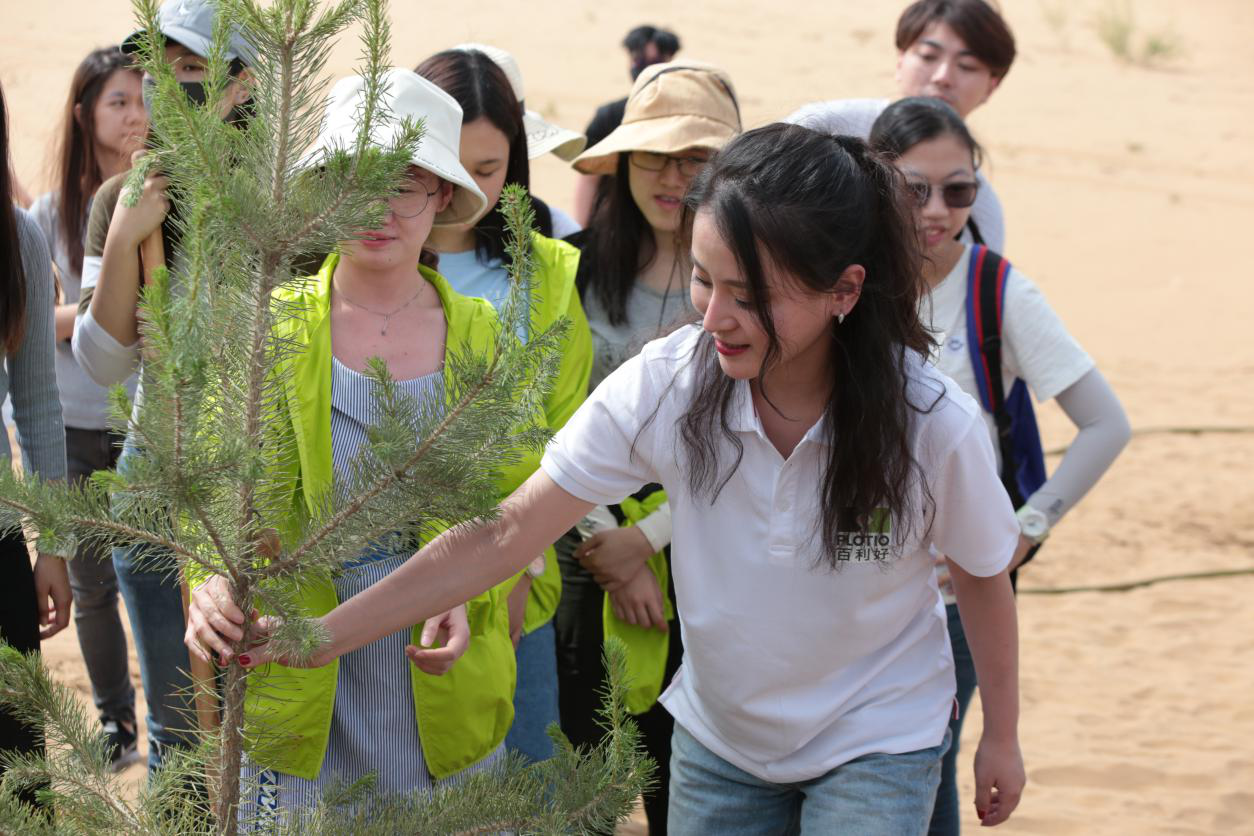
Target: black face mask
{"points": [[194, 90]]}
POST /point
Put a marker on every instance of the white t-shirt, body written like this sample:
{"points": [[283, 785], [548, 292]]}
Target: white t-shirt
{"points": [[790, 668], [854, 117], [1036, 346]]}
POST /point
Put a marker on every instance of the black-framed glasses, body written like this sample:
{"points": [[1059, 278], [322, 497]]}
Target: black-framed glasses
{"points": [[657, 161], [956, 195], [411, 201]]}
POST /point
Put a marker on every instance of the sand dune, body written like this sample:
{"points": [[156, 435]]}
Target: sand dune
{"points": [[1129, 194]]}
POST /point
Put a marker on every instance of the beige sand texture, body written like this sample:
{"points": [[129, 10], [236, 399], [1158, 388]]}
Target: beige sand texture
{"points": [[1129, 192]]}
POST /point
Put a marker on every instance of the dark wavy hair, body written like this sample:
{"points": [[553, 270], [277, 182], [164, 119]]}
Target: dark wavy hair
{"points": [[12, 275], [978, 24], [77, 170], [809, 205], [482, 89], [907, 122]]}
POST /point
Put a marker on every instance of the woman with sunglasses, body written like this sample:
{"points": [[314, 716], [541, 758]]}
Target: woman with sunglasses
{"points": [[633, 277], [378, 296], [939, 159]]}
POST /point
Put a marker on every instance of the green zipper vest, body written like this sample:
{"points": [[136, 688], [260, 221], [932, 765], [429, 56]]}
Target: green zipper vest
{"points": [[465, 714]]}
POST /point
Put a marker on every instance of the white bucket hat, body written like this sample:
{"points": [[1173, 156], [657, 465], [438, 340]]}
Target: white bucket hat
{"points": [[405, 94], [543, 137]]}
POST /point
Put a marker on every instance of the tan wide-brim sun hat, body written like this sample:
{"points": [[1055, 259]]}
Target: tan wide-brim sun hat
{"points": [[406, 94], [543, 137], [672, 107]]}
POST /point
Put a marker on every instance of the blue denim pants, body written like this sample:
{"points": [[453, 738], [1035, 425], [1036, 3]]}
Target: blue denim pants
{"points": [[149, 584], [874, 795], [535, 695], [946, 816]]}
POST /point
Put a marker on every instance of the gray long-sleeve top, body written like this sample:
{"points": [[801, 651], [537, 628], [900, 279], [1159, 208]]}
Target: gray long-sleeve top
{"points": [[29, 375]]}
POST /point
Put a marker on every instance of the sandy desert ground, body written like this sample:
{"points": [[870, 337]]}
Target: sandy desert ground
{"points": [[1127, 189]]}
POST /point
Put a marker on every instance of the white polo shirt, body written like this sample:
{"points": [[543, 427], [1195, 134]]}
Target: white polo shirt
{"points": [[790, 668]]}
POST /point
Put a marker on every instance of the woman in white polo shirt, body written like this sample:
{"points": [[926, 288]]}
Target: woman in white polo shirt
{"points": [[812, 458], [940, 160]]}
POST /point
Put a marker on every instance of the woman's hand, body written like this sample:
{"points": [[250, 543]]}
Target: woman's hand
{"points": [[614, 556], [133, 224], [452, 631], [52, 594], [999, 779], [517, 605], [640, 601], [213, 621]]}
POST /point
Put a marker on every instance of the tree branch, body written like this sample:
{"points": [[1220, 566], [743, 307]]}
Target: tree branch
{"points": [[293, 559]]}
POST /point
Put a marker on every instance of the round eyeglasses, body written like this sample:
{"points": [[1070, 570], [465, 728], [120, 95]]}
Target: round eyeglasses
{"points": [[411, 200]]}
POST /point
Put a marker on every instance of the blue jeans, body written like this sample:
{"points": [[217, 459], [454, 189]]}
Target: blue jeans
{"points": [[868, 796], [946, 817], [535, 696], [149, 583]]}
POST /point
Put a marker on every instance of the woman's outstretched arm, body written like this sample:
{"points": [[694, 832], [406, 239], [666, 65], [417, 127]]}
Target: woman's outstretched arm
{"points": [[451, 569]]}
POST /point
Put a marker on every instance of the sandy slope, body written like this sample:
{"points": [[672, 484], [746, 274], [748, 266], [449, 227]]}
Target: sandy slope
{"points": [[1128, 192]]}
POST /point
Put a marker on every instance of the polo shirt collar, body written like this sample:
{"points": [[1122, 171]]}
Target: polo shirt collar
{"points": [[742, 417]]}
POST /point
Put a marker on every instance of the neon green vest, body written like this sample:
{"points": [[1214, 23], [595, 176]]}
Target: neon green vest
{"points": [[465, 714], [553, 296], [647, 648]]}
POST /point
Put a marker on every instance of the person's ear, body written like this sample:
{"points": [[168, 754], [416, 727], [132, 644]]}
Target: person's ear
{"points": [[848, 290], [444, 196], [78, 114]]}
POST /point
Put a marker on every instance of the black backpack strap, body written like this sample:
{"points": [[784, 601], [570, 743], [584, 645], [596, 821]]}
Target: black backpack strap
{"points": [[976, 235], [990, 284]]}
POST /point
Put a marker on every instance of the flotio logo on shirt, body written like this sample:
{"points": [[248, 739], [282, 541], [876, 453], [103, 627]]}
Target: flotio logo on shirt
{"points": [[869, 543]]}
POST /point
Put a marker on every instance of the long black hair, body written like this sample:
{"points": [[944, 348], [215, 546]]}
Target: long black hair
{"points": [[812, 205], [483, 90], [12, 275], [78, 171], [907, 122]]}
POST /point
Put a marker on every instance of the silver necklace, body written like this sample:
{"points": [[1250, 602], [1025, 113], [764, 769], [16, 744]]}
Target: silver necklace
{"points": [[387, 316]]}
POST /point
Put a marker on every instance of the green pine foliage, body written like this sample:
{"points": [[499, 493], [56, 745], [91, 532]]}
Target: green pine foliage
{"points": [[209, 487]]}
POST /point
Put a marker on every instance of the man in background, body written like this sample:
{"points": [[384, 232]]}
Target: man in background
{"points": [[646, 45]]}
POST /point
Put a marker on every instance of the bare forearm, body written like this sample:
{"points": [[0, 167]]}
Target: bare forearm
{"points": [[990, 621], [457, 565], [64, 321], [115, 299]]}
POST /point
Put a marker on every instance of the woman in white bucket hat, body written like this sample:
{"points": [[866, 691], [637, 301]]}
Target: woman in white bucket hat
{"points": [[496, 144], [373, 298]]}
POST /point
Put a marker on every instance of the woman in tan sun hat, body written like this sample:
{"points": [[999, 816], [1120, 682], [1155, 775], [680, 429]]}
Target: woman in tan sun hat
{"points": [[633, 280], [377, 296]]}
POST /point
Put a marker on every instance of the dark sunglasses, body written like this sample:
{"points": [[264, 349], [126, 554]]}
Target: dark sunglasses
{"points": [[955, 195]]}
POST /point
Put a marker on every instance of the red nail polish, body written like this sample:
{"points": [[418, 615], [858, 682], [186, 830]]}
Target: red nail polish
{"points": [[980, 813], [246, 660]]}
